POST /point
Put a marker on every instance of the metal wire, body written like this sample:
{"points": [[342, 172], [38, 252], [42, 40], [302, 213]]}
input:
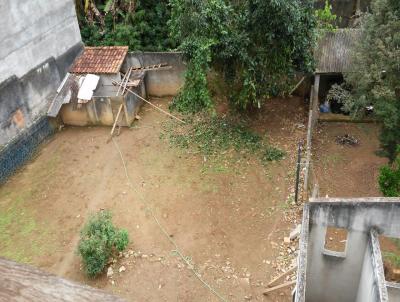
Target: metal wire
{"points": [[164, 231]]}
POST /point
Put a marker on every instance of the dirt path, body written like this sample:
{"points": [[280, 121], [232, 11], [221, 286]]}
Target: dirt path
{"points": [[229, 219]]}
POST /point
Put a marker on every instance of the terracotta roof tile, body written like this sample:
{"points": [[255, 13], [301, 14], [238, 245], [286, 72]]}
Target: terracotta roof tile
{"points": [[104, 59]]}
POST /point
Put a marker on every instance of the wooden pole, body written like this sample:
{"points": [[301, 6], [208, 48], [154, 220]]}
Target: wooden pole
{"points": [[116, 119], [151, 104], [282, 275], [298, 167], [297, 86], [279, 287]]}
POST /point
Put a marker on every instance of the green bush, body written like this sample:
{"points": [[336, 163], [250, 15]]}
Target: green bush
{"points": [[99, 240], [273, 154], [389, 178]]}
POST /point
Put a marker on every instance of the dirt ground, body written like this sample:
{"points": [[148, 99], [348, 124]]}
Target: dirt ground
{"points": [[347, 171], [351, 171], [229, 220]]}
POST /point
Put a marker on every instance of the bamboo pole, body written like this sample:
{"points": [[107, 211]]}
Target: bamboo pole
{"points": [[279, 287], [151, 104], [282, 275]]}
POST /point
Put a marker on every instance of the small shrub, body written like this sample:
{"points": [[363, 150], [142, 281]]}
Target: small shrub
{"points": [[99, 240], [273, 154], [389, 179]]}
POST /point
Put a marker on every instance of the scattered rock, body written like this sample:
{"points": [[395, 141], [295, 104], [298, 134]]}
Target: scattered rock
{"points": [[286, 239], [295, 233], [110, 272], [122, 269]]}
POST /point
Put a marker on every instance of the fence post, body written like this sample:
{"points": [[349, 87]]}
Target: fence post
{"points": [[296, 194]]}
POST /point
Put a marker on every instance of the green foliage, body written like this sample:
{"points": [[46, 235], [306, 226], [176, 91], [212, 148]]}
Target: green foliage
{"points": [[257, 46], [195, 96], [392, 258], [213, 136], [273, 154], [341, 94], [389, 179], [326, 20], [99, 239], [376, 81], [142, 25]]}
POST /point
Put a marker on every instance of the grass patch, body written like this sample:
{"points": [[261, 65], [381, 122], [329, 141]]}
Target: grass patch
{"points": [[216, 137], [22, 237], [393, 258], [273, 154]]}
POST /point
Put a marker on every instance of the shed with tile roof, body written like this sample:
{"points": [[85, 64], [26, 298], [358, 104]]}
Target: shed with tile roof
{"points": [[106, 66]]}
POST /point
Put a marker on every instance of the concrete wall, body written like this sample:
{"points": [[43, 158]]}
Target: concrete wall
{"points": [[372, 285], [40, 40], [105, 87], [33, 31], [393, 291], [330, 276], [160, 83]]}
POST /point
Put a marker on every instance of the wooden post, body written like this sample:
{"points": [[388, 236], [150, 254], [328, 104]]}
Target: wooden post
{"points": [[116, 119], [316, 98], [279, 287], [282, 275]]}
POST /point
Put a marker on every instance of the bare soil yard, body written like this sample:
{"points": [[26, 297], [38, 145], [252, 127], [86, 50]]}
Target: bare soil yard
{"points": [[347, 171], [230, 219]]}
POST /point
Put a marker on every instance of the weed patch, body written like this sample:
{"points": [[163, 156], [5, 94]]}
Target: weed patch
{"points": [[216, 137]]}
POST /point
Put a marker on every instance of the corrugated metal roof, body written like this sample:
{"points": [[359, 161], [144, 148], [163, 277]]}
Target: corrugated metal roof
{"points": [[105, 59], [333, 54], [66, 93]]}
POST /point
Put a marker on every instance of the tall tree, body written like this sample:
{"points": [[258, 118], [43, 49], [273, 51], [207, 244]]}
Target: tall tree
{"points": [[377, 80], [258, 45], [140, 24]]}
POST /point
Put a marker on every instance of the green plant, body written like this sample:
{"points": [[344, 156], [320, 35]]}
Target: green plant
{"points": [[141, 25], [389, 178], [99, 239], [392, 258], [215, 136], [273, 154], [326, 20], [256, 45], [376, 76], [341, 94]]}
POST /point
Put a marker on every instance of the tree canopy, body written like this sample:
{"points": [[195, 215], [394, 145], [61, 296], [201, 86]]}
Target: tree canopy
{"points": [[257, 45], [377, 80], [140, 24]]}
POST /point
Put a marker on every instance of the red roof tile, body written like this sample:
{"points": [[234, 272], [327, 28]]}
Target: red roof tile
{"points": [[105, 59]]}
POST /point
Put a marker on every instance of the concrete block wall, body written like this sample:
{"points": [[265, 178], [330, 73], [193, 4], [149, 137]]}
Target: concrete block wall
{"points": [[40, 40], [357, 273], [160, 83]]}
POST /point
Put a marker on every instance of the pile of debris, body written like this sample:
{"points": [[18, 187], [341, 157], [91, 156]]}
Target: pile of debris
{"points": [[347, 140]]}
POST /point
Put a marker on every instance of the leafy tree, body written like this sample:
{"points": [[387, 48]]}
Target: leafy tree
{"points": [[99, 239], [257, 45], [326, 20], [142, 25], [376, 81]]}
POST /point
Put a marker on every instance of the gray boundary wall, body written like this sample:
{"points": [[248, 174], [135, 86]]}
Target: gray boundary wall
{"points": [[160, 83], [329, 276], [40, 40]]}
